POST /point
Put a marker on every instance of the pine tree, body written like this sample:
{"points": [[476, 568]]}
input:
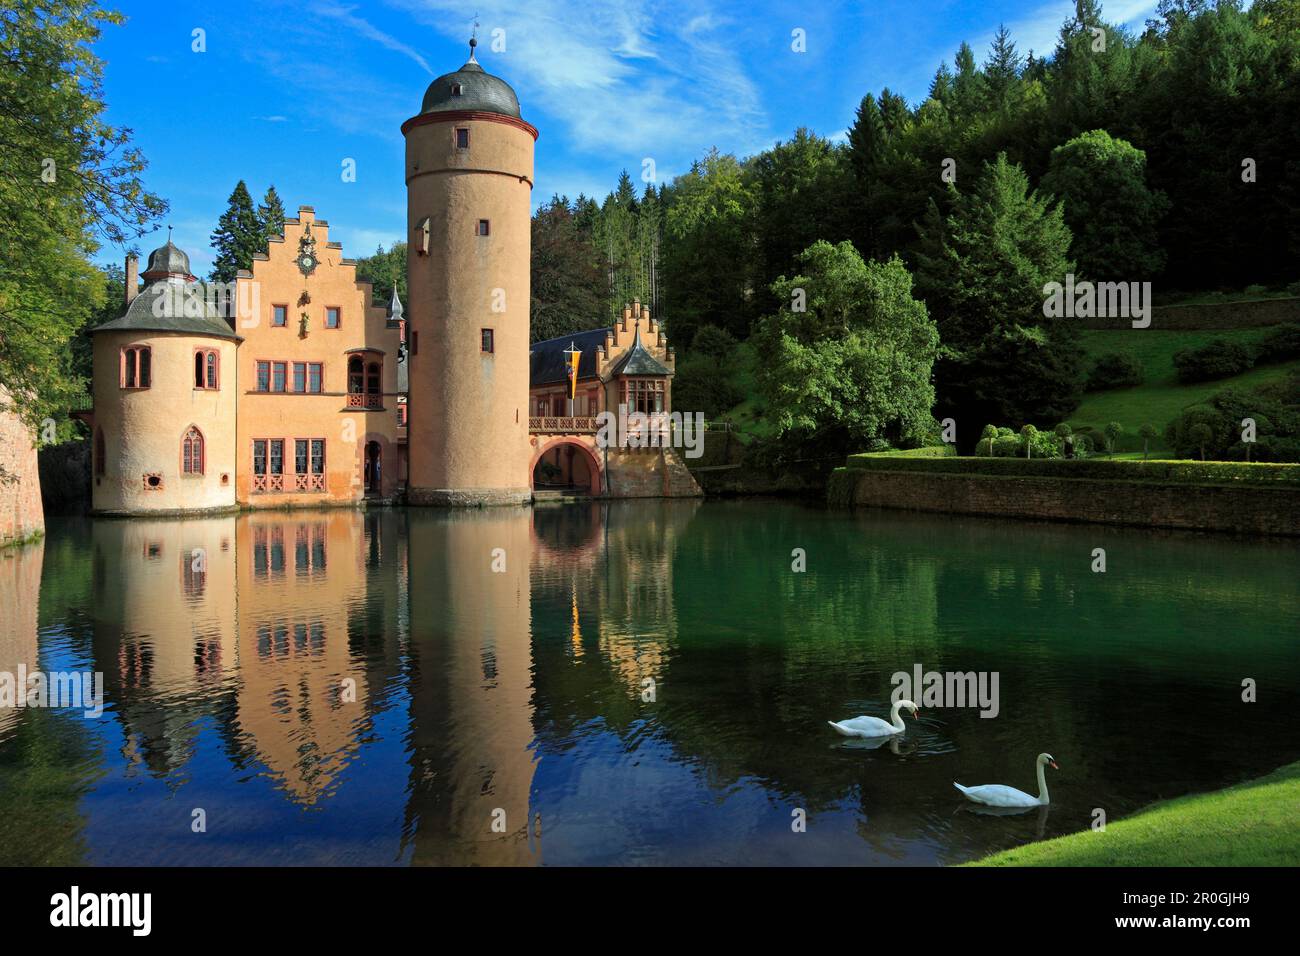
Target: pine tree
{"points": [[271, 214], [1002, 68], [238, 236], [867, 139], [983, 279]]}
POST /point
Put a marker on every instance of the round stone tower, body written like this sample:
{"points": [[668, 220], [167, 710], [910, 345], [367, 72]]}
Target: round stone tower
{"points": [[469, 179], [164, 397]]}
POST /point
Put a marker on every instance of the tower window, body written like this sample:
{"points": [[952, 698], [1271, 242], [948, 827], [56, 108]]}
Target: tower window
{"points": [[455, 89], [205, 369], [488, 345], [462, 137], [422, 237], [136, 372], [192, 452], [484, 227]]}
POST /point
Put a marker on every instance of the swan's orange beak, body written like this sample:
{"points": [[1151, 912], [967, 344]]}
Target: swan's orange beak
{"points": [[1054, 766]]}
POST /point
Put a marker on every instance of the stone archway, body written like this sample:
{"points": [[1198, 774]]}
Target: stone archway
{"points": [[565, 464]]}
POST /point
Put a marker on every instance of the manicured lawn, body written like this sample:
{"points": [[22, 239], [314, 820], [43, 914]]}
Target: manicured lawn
{"points": [[1256, 823], [1160, 398]]}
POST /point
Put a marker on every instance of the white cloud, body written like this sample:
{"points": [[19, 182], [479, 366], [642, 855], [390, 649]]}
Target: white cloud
{"points": [[624, 76], [366, 29]]}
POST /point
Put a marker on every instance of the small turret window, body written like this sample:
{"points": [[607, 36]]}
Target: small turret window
{"points": [[484, 227], [455, 89], [205, 369], [422, 237], [462, 137], [136, 371]]}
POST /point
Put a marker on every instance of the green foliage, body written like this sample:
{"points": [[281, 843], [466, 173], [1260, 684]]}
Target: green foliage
{"points": [[856, 365], [384, 270], [239, 235], [1218, 359], [981, 273], [1092, 469], [270, 213], [568, 285], [714, 343], [708, 239], [699, 387], [1280, 344], [70, 181], [1102, 182], [1115, 370]]}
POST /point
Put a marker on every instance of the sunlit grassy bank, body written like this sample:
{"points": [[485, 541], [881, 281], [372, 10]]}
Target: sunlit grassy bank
{"points": [[1256, 823]]}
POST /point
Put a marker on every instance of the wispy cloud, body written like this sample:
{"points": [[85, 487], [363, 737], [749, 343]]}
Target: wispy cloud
{"points": [[369, 31], [624, 76]]}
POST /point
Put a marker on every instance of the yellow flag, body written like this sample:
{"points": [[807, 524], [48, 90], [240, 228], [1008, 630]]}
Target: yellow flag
{"points": [[574, 357]]}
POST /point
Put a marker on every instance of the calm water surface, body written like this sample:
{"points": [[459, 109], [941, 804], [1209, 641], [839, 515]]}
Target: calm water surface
{"points": [[348, 688]]}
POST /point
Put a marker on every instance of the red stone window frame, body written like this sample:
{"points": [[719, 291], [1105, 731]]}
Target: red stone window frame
{"points": [[487, 341], [338, 317], [207, 370], [279, 316], [279, 377], [136, 367], [193, 453]]}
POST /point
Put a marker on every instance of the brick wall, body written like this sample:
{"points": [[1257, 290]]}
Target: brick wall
{"points": [[1254, 510], [20, 487]]}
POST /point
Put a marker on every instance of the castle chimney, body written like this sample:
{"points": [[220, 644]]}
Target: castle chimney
{"points": [[627, 316], [645, 317], [132, 278]]}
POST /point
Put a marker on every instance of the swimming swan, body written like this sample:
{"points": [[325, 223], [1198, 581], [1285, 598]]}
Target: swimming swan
{"points": [[996, 795], [874, 726]]}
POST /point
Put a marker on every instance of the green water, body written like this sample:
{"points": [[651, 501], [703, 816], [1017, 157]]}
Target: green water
{"points": [[628, 683]]}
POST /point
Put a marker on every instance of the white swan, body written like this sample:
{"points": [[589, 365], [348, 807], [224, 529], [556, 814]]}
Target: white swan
{"points": [[996, 795], [874, 726]]}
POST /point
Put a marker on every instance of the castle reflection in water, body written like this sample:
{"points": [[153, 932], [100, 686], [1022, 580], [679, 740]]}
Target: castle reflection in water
{"points": [[293, 636]]}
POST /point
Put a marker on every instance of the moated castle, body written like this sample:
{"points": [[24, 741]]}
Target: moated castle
{"points": [[315, 394]]}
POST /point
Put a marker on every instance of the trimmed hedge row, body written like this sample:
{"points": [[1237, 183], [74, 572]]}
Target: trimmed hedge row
{"points": [[930, 451], [1099, 469]]}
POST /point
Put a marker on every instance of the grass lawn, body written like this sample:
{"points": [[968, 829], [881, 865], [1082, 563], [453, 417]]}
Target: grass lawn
{"points": [[1160, 397], [1256, 823]]}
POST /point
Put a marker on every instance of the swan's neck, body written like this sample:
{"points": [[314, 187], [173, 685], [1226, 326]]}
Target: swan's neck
{"points": [[894, 720], [1042, 783]]}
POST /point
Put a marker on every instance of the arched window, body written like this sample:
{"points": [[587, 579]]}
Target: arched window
{"points": [[356, 378], [135, 367], [99, 452], [192, 452], [205, 369]]}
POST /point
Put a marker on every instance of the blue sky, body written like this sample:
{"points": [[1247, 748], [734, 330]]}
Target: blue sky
{"points": [[287, 90]]}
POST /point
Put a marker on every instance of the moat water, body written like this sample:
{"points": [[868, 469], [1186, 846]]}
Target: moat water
{"points": [[626, 683]]}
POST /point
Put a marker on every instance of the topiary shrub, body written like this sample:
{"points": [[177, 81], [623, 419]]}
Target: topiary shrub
{"points": [[1115, 370], [1217, 359], [1280, 344], [1187, 434]]}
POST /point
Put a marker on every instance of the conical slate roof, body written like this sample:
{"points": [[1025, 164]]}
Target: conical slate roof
{"points": [[637, 361]]}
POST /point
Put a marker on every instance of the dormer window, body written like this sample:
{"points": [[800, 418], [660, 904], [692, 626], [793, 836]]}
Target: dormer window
{"points": [[455, 89]]}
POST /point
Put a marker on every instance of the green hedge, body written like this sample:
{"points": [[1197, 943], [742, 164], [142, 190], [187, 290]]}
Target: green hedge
{"points": [[1098, 469], [931, 451]]}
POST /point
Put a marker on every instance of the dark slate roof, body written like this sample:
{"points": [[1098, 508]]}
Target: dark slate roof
{"points": [[637, 361], [191, 315], [167, 259], [547, 361], [479, 90]]}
